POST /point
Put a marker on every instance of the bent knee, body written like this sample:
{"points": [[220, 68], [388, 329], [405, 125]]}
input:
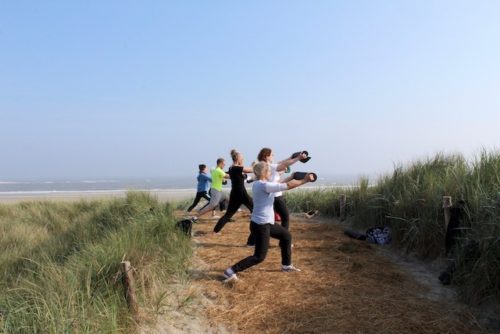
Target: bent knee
{"points": [[259, 259]]}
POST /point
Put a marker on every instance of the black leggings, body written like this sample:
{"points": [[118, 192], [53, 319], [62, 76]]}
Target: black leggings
{"points": [[199, 195], [262, 234], [236, 199], [280, 208]]}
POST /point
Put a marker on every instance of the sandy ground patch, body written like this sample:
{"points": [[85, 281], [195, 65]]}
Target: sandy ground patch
{"points": [[346, 286]]}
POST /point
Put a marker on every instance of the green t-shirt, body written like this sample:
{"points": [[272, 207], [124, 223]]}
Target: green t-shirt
{"points": [[217, 177]]}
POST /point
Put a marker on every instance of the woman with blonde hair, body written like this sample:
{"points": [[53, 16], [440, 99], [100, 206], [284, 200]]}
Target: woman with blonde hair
{"points": [[279, 204], [262, 224], [238, 195]]}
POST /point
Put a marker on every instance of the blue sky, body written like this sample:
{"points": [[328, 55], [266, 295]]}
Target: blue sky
{"points": [[99, 89]]}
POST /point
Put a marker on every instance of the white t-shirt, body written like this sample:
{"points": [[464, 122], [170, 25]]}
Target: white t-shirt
{"points": [[263, 193], [275, 177]]}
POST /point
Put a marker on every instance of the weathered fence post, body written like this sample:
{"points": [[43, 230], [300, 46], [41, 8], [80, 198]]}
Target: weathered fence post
{"points": [[129, 286], [342, 200], [446, 207]]}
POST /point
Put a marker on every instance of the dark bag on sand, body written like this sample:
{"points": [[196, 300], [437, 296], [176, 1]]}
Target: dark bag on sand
{"points": [[378, 235], [185, 226]]}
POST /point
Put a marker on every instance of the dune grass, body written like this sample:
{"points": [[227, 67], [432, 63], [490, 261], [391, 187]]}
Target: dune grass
{"points": [[59, 263], [410, 202]]}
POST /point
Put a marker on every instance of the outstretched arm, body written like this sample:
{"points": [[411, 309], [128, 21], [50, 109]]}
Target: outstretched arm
{"points": [[247, 170], [296, 183], [282, 165]]}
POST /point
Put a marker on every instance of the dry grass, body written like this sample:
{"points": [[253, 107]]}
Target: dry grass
{"points": [[345, 287]]}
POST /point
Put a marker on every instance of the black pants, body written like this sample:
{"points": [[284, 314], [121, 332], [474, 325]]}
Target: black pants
{"points": [[199, 195], [262, 234], [279, 206], [236, 199]]}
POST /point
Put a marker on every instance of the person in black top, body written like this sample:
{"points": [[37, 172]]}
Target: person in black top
{"points": [[238, 195]]}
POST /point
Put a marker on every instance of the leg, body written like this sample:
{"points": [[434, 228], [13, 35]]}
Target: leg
{"points": [[223, 202], [214, 201], [234, 204], [262, 233], [207, 197], [285, 238], [196, 201], [282, 210], [248, 202]]}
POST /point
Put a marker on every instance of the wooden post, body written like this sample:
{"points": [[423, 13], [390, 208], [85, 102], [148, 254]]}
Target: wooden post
{"points": [[342, 207], [129, 286], [446, 207]]}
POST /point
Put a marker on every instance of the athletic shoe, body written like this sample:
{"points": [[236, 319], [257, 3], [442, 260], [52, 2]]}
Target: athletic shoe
{"points": [[250, 245], [215, 217], [290, 268], [229, 276], [194, 220]]}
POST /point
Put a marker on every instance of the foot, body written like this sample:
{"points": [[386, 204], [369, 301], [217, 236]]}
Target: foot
{"points": [[290, 268], [250, 245], [215, 217], [229, 276]]}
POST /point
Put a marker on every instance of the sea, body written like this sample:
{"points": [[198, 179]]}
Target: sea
{"points": [[51, 186]]}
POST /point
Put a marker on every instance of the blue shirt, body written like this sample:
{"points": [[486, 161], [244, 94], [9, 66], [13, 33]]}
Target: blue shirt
{"points": [[203, 182]]}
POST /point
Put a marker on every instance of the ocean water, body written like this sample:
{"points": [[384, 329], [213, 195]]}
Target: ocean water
{"points": [[91, 185]]}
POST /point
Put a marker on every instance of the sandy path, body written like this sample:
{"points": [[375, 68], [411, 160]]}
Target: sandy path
{"points": [[346, 286]]}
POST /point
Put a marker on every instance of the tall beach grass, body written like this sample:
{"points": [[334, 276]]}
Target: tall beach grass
{"points": [[59, 263], [410, 202]]}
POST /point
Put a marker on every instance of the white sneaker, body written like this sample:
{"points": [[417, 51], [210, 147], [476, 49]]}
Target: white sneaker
{"points": [[290, 268], [229, 276]]}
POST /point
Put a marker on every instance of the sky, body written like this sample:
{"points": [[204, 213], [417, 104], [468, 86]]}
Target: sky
{"points": [[114, 89]]}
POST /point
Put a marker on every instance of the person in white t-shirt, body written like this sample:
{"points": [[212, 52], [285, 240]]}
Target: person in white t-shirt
{"points": [[262, 223], [279, 205]]}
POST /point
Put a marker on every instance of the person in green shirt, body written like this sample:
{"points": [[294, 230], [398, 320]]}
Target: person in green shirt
{"points": [[216, 195]]}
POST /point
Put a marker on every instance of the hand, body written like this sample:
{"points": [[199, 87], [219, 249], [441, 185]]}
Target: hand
{"points": [[312, 177]]}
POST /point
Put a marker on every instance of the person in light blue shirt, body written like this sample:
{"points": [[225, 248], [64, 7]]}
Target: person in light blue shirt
{"points": [[204, 181], [262, 223]]}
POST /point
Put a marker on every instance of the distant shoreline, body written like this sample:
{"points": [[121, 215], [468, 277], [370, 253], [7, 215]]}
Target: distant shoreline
{"points": [[163, 195]]}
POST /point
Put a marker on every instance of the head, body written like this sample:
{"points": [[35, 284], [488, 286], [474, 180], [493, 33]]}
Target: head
{"points": [[236, 156], [266, 155], [262, 170], [221, 162], [202, 167]]}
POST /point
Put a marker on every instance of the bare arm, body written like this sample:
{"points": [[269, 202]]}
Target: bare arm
{"points": [[287, 179], [296, 183], [282, 165], [247, 170]]}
